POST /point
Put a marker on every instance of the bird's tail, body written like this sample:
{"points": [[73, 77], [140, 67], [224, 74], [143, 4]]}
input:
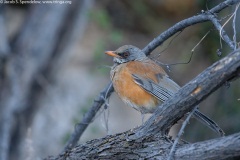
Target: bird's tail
{"points": [[207, 121]]}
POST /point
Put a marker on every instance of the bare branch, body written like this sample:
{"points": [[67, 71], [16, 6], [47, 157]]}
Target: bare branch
{"points": [[180, 133], [220, 148], [118, 147], [87, 119], [234, 26], [223, 5], [222, 32], [184, 24]]}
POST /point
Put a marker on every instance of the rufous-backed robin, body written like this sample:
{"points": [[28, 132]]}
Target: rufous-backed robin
{"points": [[143, 84]]}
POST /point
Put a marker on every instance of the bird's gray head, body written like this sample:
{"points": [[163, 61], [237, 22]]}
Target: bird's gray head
{"points": [[127, 53]]}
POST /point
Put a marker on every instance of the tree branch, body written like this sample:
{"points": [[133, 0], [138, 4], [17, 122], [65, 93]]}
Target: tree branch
{"points": [[220, 148], [117, 147], [223, 5], [222, 32], [184, 24], [87, 119], [180, 133]]}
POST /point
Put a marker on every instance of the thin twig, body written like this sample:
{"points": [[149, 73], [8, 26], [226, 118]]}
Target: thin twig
{"points": [[168, 45], [220, 32], [218, 26], [184, 24], [223, 5], [80, 128], [172, 30], [192, 51], [200, 41], [234, 27], [181, 131]]}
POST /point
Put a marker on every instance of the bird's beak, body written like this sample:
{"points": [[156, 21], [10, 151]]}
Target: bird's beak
{"points": [[112, 53]]}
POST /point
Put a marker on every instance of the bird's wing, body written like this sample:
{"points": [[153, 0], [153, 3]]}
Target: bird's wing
{"points": [[165, 89]]}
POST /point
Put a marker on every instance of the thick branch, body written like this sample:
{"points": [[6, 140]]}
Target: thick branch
{"points": [[118, 147], [191, 94], [220, 148]]}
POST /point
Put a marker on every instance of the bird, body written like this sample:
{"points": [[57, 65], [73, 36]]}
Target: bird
{"points": [[143, 84]]}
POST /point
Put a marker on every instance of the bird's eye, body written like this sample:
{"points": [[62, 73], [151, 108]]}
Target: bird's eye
{"points": [[125, 54]]}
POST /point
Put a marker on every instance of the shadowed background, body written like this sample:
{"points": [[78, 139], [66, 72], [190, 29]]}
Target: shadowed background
{"points": [[64, 90]]}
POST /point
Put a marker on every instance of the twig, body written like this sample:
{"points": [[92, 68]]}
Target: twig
{"points": [[192, 51], [80, 128], [168, 45], [171, 31], [184, 24], [221, 30], [173, 149], [223, 5], [234, 27]]}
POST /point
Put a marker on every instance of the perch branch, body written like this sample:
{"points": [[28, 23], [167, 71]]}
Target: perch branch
{"points": [[117, 147], [220, 148]]}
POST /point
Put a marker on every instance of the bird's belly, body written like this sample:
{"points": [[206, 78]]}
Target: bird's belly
{"points": [[148, 107], [133, 95]]}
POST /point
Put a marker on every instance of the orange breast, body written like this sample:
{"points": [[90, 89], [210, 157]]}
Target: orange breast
{"points": [[129, 91]]}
